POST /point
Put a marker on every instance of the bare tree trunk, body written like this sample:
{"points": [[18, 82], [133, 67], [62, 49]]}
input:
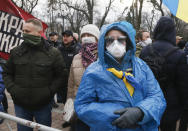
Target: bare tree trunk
{"points": [[157, 6], [160, 7], [140, 14], [106, 12], [90, 10]]}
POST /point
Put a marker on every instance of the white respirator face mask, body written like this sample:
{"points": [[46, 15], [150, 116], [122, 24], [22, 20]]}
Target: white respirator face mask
{"points": [[148, 41], [116, 49], [90, 39]]}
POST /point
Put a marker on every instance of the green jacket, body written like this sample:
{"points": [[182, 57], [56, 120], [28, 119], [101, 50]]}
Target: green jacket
{"points": [[33, 74], [138, 50]]}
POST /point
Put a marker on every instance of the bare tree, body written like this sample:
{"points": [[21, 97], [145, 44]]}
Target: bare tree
{"points": [[62, 17], [122, 17], [52, 17], [74, 18], [107, 9], [134, 15], [139, 12], [157, 4], [87, 9], [149, 20], [27, 5]]}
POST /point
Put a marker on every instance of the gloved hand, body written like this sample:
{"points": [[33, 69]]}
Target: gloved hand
{"points": [[128, 117]]}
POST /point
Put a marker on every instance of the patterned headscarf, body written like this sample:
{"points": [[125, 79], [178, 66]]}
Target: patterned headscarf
{"points": [[88, 53]]}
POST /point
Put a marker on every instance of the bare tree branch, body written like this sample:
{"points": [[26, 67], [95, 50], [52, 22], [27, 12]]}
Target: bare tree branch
{"points": [[90, 5], [106, 12], [78, 9], [27, 5], [157, 6]]}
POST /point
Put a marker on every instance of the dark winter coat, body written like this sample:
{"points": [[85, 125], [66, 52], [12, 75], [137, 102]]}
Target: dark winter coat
{"points": [[2, 88], [56, 44], [33, 74], [68, 53], [186, 48], [165, 39], [183, 79]]}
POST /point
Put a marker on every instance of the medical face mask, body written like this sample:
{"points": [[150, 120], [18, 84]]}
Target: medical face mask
{"points": [[148, 41], [116, 49], [88, 40]]}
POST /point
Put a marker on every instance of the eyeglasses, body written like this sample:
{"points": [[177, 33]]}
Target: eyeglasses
{"points": [[109, 40]]}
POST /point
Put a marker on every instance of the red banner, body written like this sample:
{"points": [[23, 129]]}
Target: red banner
{"points": [[11, 23]]}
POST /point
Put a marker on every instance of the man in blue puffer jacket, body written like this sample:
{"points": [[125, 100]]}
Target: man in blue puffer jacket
{"points": [[119, 91]]}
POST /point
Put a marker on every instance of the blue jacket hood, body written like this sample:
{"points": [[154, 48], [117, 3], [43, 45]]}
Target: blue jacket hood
{"points": [[107, 59], [165, 30]]}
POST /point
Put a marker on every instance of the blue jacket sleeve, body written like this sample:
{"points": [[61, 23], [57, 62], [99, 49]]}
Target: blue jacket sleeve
{"points": [[2, 88], [96, 114], [154, 103]]}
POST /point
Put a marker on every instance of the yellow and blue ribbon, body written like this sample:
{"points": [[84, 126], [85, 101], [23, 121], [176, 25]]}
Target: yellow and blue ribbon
{"points": [[128, 79]]}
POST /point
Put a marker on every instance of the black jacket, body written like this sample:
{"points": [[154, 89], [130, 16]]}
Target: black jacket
{"points": [[33, 74], [68, 53], [56, 44], [182, 81], [164, 40]]}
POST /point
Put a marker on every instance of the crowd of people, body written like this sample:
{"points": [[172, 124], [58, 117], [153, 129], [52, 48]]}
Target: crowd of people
{"points": [[117, 79]]}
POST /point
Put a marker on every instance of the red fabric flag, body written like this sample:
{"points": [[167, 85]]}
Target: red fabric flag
{"points": [[11, 22]]}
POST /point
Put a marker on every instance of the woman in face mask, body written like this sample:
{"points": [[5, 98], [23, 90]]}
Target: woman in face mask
{"points": [[119, 92], [86, 56], [116, 44]]}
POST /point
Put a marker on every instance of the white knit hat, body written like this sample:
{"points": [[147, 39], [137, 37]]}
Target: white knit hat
{"points": [[90, 29]]}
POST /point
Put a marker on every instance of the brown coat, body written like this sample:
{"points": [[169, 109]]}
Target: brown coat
{"points": [[75, 76]]}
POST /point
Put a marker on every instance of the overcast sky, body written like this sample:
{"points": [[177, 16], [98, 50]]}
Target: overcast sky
{"points": [[118, 7], [41, 8]]}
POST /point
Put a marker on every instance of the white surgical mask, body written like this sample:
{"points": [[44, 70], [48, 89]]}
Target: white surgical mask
{"points": [[90, 39], [116, 49], [148, 41]]}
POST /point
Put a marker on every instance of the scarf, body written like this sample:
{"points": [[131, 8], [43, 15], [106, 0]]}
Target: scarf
{"points": [[127, 78], [89, 54], [31, 39]]}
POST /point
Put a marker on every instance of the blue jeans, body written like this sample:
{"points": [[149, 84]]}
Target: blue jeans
{"points": [[42, 116]]}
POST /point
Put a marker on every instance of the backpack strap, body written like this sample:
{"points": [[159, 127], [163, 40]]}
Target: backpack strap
{"points": [[169, 52], [153, 50]]}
